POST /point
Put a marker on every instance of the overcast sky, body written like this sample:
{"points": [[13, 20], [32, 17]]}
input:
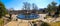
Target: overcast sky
{"points": [[18, 4]]}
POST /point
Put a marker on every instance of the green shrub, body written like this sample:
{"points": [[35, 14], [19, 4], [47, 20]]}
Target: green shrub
{"points": [[45, 24]]}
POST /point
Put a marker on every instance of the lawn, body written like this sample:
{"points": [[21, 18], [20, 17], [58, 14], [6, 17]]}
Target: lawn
{"points": [[51, 24], [55, 23], [1, 22]]}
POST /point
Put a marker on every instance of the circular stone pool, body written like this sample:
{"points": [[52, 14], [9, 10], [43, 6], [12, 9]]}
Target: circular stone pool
{"points": [[28, 17]]}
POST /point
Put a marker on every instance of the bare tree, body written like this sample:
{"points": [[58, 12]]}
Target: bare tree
{"points": [[34, 7], [26, 6]]}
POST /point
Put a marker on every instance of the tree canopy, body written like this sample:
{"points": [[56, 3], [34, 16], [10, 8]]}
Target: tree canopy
{"points": [[52, 7], [2, 9]]}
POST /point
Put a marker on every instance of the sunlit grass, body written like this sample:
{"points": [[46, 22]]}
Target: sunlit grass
{"points": [[1, 22], [55, 23]]}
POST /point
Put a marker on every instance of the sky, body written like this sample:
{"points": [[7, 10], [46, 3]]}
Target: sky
{"points": [[18, 4]]}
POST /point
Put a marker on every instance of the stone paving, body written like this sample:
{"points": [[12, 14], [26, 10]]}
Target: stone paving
{"points": [[18, 23]]}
